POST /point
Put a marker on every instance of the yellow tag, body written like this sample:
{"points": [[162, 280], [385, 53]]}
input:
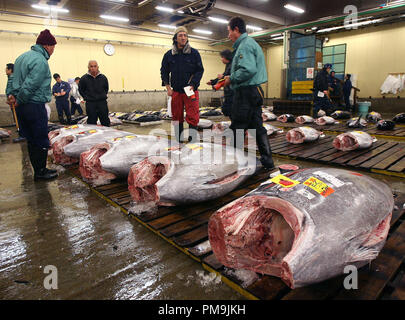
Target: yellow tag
{"points": [[72, 127], [284, 181], [92, 131], [320, 187], [130, 137], [117, 139], [194, 147], [361, 132]]}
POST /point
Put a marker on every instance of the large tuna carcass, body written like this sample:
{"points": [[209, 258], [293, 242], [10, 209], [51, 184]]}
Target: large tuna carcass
{"points": [[304, 119], [4, 133], [356, 123], [114, 121], [191, 174], [114, 158], [269, 116], [350, 141], [55, 135], [302, 134], [67, 150], [325, 120], [286, 118], [304, 228]]}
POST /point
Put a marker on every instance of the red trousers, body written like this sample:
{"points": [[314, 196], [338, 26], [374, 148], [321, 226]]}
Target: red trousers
{"points": [[179, 101]]}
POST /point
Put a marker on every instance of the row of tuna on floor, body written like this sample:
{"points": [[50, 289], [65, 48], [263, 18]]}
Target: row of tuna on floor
{"points": [[303, 227]]}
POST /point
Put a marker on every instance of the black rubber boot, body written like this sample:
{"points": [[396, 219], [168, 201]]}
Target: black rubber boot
{"points": [[263, 145], [193, 134], [69, 119], [38, 157], [178, 132], [61, 120]]}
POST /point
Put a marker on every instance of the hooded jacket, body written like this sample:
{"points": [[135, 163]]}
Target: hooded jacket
{"points": [[32, 77], [179, 66]]}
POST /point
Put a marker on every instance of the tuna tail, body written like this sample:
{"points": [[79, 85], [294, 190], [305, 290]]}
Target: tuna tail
{"points": [[371, 243]]}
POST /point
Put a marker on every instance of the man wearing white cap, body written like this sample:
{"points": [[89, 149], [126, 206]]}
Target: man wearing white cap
{"points": [[181, 71]]}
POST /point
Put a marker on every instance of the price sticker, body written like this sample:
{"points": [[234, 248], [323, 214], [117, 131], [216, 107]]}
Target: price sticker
{"points": [[320, 187], [284, 181]]}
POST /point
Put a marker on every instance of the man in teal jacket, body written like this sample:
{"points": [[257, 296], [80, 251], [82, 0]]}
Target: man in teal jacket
{"points": [[30, 90], [247, 74]]}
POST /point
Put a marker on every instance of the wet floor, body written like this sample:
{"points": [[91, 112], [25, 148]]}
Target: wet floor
{"points": [[98, 252]]}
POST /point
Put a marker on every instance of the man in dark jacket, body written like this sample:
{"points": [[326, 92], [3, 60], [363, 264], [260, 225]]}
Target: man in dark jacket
{"points": [[321, 91], [93, 87], [61, 90], [30, 90], [347, 90], [182, 67], [226, 56]]}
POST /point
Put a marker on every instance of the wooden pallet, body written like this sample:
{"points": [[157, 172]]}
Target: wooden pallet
{"points": [[187, 227], [397, 134]]}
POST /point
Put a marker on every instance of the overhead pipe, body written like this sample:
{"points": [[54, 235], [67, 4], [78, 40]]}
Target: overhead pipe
{"points": [[314, 23]]}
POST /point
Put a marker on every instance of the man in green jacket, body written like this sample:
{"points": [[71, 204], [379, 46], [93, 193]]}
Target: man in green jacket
{"points": [[30, 90], [247, 74]]}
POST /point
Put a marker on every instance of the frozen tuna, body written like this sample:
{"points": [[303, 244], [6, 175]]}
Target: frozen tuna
{"points": [[341, 115], [399, 118], [4, 133], [302, 134], [67, 150], [304, 119], [385, 125], [325, 120], [269, 116], [304, 228], [204, 124], [356, 123], [374, 117], [191, 174], [286, 118], [353, 140], [114, 158]]}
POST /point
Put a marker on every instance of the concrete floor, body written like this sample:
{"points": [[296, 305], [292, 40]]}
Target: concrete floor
{"points": [[99, 253]]}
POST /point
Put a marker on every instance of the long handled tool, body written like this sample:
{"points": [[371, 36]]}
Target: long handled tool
{"points": [[19, 139]]}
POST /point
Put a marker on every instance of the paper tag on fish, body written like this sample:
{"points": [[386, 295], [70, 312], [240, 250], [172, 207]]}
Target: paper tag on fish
{"points": [[130, 137], [321, 94], [194, 147], [117, 139], [284, 181], [320, 187], [72, 127], [92, 131], [360, 132]]}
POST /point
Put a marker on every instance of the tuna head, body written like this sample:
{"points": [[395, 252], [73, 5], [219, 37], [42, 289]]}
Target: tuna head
{"points": [[195, 173], [304, 228]]}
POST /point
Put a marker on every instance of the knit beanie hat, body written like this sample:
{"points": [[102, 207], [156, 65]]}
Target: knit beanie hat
{"points": [[181, 29], [45, 38]]}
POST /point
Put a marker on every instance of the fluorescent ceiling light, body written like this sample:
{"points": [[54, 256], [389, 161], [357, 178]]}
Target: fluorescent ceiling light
{"points": [[165, 9], [294, 8], [202, 31], [278, 38], [180, 11], [114, 18], [254, 28], [219, 20], [49, 8], [276, 35], [166, 26]]}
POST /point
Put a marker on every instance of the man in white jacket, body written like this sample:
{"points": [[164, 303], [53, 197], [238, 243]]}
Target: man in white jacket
{"points": [[75, 97]]}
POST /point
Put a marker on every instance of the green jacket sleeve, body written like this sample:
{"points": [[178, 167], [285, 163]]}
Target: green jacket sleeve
{"points": [[246, 67], [9, 87], [33, 81]]}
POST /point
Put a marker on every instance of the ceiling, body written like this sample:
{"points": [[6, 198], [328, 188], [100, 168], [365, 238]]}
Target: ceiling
{"points": [[266, 14]]}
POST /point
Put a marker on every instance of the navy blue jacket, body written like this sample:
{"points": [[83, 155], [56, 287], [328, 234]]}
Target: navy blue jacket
{"points": [[57, 87], [178, 68], [347, 88], [321, 82]]}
